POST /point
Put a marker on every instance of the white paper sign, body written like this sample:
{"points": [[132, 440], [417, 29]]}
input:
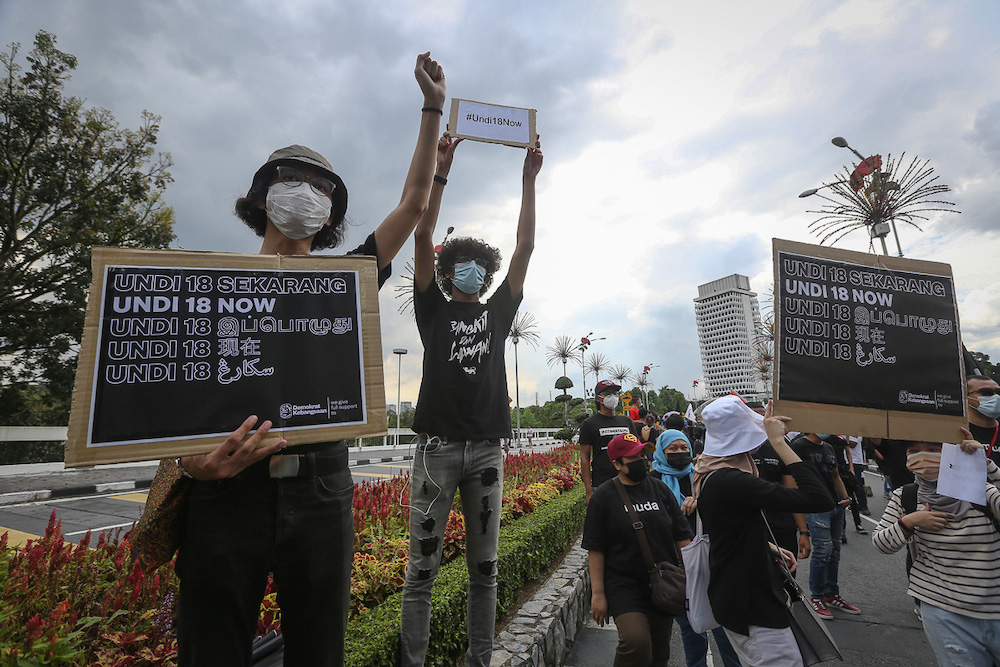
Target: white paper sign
{"points": [[493, 123], [963, 476]]}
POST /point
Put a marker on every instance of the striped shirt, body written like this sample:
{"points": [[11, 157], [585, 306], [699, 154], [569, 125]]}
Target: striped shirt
{"points": [[958, 567]]}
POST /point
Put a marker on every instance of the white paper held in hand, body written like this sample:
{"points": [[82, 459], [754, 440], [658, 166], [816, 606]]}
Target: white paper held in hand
{"points": [[963, 476]]}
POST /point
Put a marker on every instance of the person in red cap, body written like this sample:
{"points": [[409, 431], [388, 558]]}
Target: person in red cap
{"points": [[252, 511], [595, 434], [618, 574]]}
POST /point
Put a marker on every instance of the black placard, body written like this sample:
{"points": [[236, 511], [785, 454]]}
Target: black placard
{"points": [[186, 351], [865, 336]]}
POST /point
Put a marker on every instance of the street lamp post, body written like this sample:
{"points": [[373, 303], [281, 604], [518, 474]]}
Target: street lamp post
{"points": [[399, 352]]}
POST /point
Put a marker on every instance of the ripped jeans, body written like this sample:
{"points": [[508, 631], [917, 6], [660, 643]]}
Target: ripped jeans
{"points": [[959, 640], [475, 469]]}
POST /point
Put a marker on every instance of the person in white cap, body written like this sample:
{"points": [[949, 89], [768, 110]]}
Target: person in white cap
{"points": [[247, 516], [745, 583]]}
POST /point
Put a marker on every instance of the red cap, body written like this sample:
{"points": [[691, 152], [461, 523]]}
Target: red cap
{"points": [[624, 444], [605, 385]]}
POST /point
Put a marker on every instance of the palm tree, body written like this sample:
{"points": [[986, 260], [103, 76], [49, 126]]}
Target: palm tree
{"points": [[621, 374], [597, 364], [524, 328], [562, 351]]}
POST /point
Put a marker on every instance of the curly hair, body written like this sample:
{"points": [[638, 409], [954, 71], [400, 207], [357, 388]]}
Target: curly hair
{"points": [[464, 247], [248, 209]]}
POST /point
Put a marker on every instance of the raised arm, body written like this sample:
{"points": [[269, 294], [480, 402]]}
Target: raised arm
{"points": [[525, 223], [399, 224], [423, 236]]}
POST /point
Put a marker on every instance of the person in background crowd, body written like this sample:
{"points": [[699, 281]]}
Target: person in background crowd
{"points": [[462, 409], [745, 588], [672, 464], [984, 404], [790, 529], [956, 566], [859, 466], [845, 468], [890, 456], [618, 575], [825, 528], [249, 512], [596, 432]]}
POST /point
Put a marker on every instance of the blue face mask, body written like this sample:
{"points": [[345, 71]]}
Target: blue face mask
{"points": [[469, 277], [989, 406], [822, 436]]}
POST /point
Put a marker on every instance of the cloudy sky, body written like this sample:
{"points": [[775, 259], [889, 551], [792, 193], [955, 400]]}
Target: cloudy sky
{"points": [[676, 135]]}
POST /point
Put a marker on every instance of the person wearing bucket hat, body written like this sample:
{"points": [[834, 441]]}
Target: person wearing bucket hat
{"points": [[618, 572], [596, 433], [745, 584], [252, 511]]}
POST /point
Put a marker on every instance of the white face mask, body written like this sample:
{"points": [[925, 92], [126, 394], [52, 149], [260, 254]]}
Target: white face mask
{"points": [[298, 211], [610, 402]]}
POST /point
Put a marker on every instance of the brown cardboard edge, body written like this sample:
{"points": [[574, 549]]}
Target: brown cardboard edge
{"points": [[837, 419], [79, 455], [926, 428]]}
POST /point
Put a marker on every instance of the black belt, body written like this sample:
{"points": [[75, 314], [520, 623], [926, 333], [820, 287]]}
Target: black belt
{"points": [[326, 461]]}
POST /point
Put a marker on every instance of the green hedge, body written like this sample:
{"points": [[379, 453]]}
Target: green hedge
{"points": [[31, 452], [527, 547]]}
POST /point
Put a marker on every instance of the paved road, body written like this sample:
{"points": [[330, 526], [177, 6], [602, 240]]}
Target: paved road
{"points": [[887, 633], [108, 511]]}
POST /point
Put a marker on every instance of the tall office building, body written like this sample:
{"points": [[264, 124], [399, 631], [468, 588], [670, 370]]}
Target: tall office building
{"points": [[727, 315]]}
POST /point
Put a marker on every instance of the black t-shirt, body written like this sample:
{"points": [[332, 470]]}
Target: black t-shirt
{"points": [[771, 468], [608, 529], [893, 462], [463, 393], [822, 458], [987, 435], [369, 247], [597, 431]]}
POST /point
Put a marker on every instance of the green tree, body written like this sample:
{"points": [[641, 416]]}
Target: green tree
{"points": [[70, 179], [983, 361]]}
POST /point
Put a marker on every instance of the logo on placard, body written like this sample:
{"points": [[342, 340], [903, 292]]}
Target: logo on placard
{"points": [[921, 399], [289, 410]]}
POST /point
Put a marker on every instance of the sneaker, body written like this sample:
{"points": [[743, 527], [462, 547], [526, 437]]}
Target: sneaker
{"points": [[861, 529], [821, 609], [865, 511], [837, 602]]}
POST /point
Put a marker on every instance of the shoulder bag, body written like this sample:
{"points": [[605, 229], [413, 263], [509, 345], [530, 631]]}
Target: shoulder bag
{"points": [[666, 580], [158, 533], [813, 639], [695, 555]]}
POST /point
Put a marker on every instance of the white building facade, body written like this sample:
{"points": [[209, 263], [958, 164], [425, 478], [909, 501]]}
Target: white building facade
{"points": [[728, 319]]}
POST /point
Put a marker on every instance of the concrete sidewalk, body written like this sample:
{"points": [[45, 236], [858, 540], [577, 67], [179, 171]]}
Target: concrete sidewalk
{"points": [[23, 483], [41, 481]]}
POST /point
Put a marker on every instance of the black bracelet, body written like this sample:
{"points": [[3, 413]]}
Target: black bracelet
{"points": [[804, 532], [426, 109], [440, 179]]}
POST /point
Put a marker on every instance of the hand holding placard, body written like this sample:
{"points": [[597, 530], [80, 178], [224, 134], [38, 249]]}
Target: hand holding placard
{"points": [[236, 453], [963, 473]]}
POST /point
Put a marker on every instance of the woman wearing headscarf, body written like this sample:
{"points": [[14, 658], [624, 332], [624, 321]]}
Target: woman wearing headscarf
{"points": [[745, 583], [672, 463], [956, 564]]}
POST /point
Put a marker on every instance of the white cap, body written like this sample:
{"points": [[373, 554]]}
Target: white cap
{"points": [[731, 427]]}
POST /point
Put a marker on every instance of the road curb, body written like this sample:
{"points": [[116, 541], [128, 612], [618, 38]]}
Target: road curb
{"points": [[17, 497]]}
